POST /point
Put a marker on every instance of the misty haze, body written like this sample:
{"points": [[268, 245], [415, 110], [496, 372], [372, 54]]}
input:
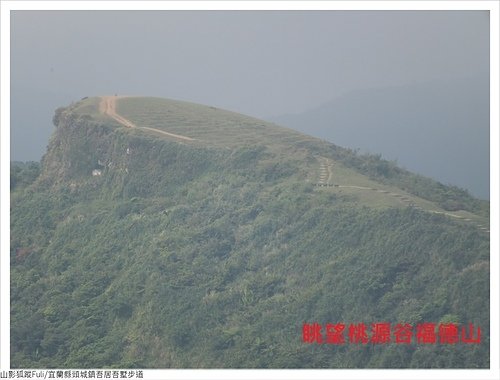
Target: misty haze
{"points": [[397, 84], [249, 189]]}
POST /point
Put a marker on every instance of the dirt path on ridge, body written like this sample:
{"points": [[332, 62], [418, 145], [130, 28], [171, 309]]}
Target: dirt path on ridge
{"points": [[108, 107], [326, 175]]}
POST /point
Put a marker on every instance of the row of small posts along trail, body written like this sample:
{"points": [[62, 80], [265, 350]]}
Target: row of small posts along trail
{"points": [[325, 180]]}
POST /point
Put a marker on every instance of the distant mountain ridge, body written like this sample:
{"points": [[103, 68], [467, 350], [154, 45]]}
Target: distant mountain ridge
{"points": [[444, 119]]}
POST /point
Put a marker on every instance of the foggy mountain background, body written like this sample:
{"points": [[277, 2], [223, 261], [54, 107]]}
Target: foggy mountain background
{"points": [[438, 129], [410, 85]]}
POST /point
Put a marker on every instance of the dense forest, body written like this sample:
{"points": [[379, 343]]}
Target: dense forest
{"points": [[133, 251]]}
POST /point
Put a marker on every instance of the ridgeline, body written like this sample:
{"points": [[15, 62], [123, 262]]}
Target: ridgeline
{"points": [[165, 234]]}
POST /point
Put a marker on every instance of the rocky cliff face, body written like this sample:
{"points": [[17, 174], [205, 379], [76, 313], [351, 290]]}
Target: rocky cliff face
{"points": [[76, 147], [87, 154]]}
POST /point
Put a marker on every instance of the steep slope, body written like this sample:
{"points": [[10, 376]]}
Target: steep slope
{"points": [[137, 248]]}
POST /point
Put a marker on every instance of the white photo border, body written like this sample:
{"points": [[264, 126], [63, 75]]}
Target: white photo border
{"points": [[492, 6]]}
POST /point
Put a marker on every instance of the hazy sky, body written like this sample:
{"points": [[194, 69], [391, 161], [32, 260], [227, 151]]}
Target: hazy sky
{"points": [[260, 63]]}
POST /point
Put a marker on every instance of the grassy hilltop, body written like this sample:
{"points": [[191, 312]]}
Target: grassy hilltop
{"points": [[195, 237]]}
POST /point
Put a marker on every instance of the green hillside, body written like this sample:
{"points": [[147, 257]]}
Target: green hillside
{"points": [[165, 234]]}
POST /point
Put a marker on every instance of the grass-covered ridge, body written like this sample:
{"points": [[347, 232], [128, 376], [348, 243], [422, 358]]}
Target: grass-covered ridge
{"points": [[209, 125], [202, 254], [214, 127]]}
